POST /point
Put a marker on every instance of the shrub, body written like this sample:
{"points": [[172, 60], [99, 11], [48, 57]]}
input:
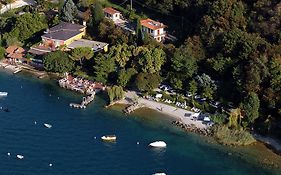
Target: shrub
{"points": [[218, 118], [228, 136]]}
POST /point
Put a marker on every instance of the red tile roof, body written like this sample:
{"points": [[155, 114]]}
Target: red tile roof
{"points": [[15, 55], [110, 10], [151, 24], [14, 49]]}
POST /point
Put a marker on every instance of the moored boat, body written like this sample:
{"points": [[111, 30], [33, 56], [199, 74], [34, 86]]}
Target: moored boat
{"points": [[3, 93], [47, 125], [20, 156], [159, 144], [159, 174], [109, 138]]}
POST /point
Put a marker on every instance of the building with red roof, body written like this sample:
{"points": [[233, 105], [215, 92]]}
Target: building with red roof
{"points": [[112, 14], [154, 29], [15, 54]]}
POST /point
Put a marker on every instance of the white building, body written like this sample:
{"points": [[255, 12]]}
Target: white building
{"points": [[112, 14], [154, 29]]}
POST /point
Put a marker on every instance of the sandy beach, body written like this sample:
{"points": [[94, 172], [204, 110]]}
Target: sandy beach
{"points": [[177, 113]]}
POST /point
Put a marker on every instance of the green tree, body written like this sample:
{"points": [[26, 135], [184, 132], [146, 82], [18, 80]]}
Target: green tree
{"points": [[125, 76], [68, 11], [251, 105], [147, 82], [192, 88], [183, 63], [81, 53], [26, 26], [104, 66], [207, 86], [58, 61], [115, 93], [2, 53], [122, 54], [97, 13], [150, 60], [111, 34]]}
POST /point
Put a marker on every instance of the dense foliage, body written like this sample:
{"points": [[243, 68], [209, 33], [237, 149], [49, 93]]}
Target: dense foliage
{"points": [[26, 27], [115, 93], [2, 52], [228, 136], [58, 61]]}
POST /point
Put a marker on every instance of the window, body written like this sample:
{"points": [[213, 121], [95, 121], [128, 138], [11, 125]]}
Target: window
{"points": [[158, 32]]}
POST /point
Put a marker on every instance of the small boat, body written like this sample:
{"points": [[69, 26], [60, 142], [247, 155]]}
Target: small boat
{"points": [[159, 174], [3, 93], [20, 156], [109, 138], [159, 144], [47, 125]]}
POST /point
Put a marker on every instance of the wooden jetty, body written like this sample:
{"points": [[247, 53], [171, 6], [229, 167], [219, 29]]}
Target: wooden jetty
{"points": [[86, 100], [82, 86]]}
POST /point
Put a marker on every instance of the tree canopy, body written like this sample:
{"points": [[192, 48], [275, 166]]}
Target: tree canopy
{"points": [[58, 61]]}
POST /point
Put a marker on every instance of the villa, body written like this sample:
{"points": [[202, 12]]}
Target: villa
{"points": [[116, 17], [112, 14], [63, 34], [154, 29]]}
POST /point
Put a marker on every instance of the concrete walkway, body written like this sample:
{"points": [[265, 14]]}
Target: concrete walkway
{"points": [[16, 4]]}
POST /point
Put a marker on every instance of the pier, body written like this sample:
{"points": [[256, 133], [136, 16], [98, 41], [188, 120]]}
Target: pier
{"points": [[82, 86], [86, 100]]}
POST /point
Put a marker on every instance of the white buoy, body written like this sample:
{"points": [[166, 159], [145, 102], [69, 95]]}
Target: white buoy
{"points": [[95, 137], [138, 143], [50, 164], [9, 154], [35, 122], [58, 98]]}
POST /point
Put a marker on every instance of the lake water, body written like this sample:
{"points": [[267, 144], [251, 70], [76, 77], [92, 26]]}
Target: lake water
{"points": [[70, 145]]}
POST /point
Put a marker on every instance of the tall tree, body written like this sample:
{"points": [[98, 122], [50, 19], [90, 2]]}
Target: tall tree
{"points": [[26, 26], [69, 11], [80, 53], [251, 107], [2, 52], [122, 54], [104, 66], [97, 13], [147, 82], [58, 61], [125, 76], [150, 60]]}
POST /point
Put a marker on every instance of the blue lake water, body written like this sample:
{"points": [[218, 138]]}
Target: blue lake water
{"points": [[71, 147]]}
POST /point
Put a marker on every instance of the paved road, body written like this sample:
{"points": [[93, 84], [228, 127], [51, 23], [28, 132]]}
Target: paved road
{"points": [[17, 4]]}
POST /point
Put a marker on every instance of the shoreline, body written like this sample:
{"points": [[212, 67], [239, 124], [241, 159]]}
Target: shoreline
{"points": [[169, 111], [18, 68], [185, 122], [175, 112]]}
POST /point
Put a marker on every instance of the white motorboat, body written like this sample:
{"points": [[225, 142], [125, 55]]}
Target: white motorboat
{"points": [[47, 125], [159, 174], [159, 144], [20, 156], [109, 138], [3, 93]]}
